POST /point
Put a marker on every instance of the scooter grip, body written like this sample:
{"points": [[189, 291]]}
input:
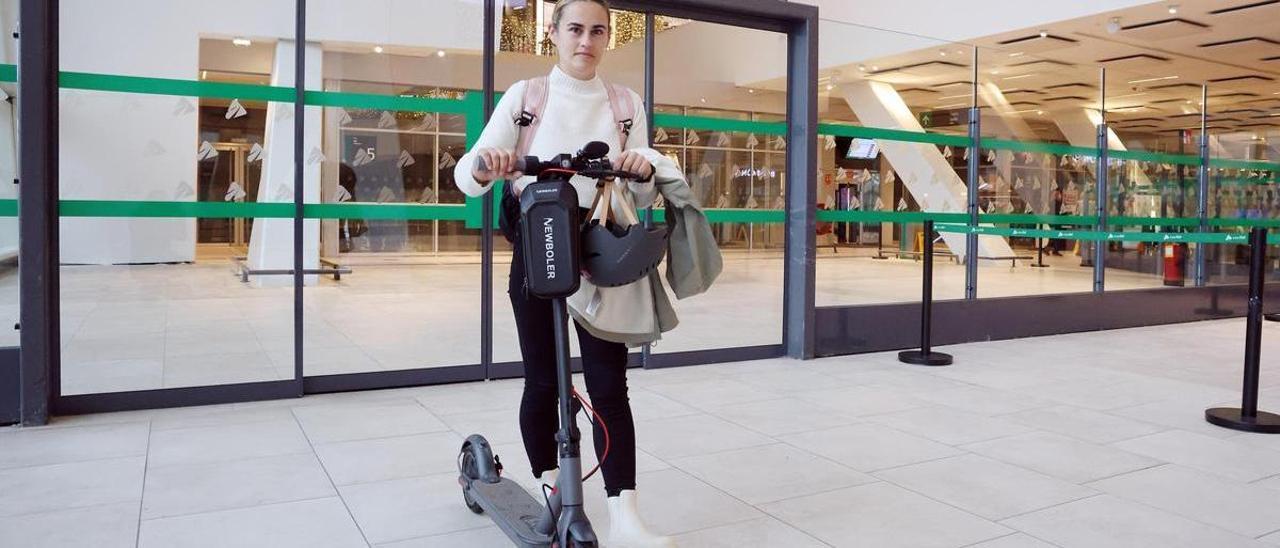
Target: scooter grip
{"points": [[520, 164]]}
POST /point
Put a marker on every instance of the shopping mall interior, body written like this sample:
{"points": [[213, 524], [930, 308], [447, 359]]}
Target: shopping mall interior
{"points": [[182, 136]]}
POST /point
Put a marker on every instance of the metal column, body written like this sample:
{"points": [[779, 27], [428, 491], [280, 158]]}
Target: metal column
{"points": [[299, 133], [1202, 196], [975, 141], [1100, 247], [40, 359], [802, 164], [649, 62], [486, 230]]}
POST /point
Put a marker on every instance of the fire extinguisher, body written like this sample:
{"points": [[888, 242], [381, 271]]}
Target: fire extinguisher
{"points": [[1175, 264]]}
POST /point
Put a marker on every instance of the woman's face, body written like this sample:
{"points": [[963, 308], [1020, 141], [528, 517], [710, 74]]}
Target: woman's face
{"points": [[581, 38]]}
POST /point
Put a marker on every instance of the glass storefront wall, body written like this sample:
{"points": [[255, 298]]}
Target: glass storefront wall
{"points": [[8, 172], [178, 277], [893, 147]]}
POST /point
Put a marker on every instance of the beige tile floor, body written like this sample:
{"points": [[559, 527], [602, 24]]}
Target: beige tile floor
{"points": [[1083, 440], [163, 326]]}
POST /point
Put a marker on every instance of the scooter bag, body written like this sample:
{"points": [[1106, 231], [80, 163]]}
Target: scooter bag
{"points": [[550, 234]]}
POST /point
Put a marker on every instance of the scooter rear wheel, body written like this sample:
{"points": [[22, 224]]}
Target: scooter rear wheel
{"points": [[467, 467]]}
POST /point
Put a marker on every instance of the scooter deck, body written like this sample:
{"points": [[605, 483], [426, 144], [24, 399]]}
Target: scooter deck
{"points": [[514, 510]]}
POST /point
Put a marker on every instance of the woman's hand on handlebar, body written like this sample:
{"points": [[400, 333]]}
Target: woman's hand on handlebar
{"points": [[631, 161], [493, 163]]}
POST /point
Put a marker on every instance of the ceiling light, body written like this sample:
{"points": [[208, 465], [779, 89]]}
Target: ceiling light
{"points": [[956, 105], [1017, 54], [440, 53], [830, 87], [993, 71], [1044, 34], [377, 49], [873, 67], [1153, 79], [862, 68], [1113, 25], [942, 53], [1173, 9], [751, 91], [1020, 76], [704, 99], [1040, 112], [241, 42]]}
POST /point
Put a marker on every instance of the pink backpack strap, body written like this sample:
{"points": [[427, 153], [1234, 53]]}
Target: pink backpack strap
{"points": [[624, 110], [533, 103]]}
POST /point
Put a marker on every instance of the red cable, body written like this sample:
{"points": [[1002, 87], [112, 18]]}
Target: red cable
{"points": [[603, 427], [558, 170]]}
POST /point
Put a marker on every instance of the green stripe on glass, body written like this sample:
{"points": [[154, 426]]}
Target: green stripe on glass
{"points": [[1025, 219], [8, 208], [253, 92], [386, 102], [1243, 164], [8, 73], [1155, 157], [227, 210], [846, 130], [888, 216], [763, 216], [1036, 147], [169, 86], [391, 212], [201, 210], [707, 123]]}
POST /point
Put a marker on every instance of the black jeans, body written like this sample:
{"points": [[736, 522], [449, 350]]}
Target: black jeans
{"points": [[605, 369]]}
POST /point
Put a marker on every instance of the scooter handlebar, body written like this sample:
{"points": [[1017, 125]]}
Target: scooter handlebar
{"points": [[523, 163]]}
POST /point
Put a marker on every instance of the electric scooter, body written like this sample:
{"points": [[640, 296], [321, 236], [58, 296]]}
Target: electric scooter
{"points": [[550, 228]]}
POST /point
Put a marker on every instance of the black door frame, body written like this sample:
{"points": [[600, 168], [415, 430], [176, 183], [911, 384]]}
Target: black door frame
{"points": [[40, 359]]}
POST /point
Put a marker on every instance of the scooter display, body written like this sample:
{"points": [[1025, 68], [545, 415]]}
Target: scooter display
{"points": [[550, 231]]}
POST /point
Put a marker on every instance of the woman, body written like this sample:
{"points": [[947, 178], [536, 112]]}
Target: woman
{"points": [[577, 110]]}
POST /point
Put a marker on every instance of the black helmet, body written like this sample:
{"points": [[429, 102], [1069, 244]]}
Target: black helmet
{"points": [[613, 255]]}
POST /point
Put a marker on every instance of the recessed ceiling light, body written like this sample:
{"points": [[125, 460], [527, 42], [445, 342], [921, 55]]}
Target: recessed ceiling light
{"points": [[1113, 25], [1040, 112], [377, 49], [1020, 76], [704, 99], [241, 42], [830, 87], [1173, 8], [1044, 34], [440, 53], [862, 68], [751, 91], [942, 53], [873, 67], [1017, 54]]}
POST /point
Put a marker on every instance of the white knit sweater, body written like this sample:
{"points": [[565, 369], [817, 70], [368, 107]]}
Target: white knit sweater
{"points": [[576, 113]]}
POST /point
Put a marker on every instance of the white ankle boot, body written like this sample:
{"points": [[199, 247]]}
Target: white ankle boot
{"points": [[627, 530], [548, 478]]}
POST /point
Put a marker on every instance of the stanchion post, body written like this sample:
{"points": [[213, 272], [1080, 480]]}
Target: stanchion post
{"points": [[1039, 250], [1247, 417], [926, 355]]}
